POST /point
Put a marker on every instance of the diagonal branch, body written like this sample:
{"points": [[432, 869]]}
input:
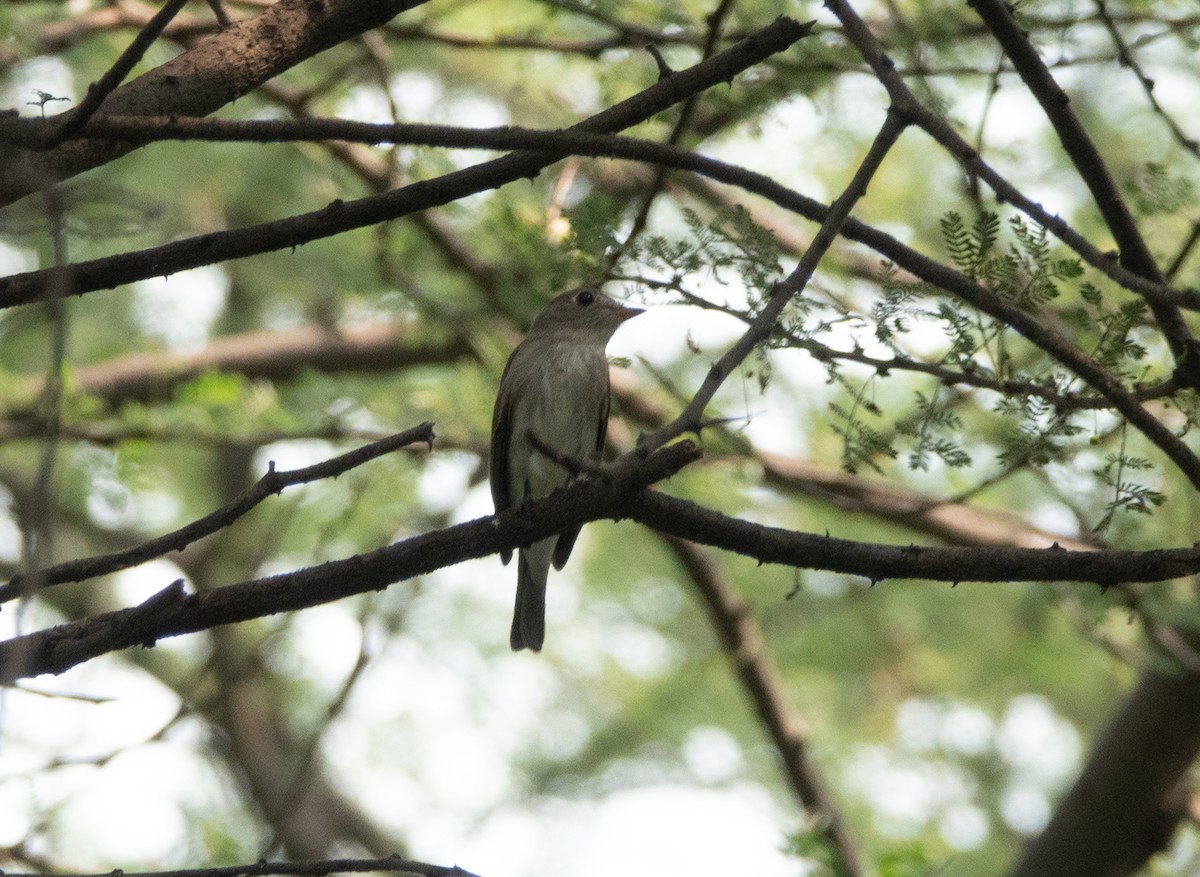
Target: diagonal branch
{"points": [[171, 612], [764, 324], [271, 483], [341, 216], [216, 71], [742, 639], [113, 77], [1134, 252]]}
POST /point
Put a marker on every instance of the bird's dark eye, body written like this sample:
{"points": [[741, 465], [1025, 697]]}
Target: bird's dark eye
{"points": [[586, 297]]}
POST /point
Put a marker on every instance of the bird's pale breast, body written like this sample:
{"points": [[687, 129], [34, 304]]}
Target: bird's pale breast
{"points": [[562, 404]]}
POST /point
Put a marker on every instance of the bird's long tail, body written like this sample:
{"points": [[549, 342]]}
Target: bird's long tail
{"points": [[529, 616]]}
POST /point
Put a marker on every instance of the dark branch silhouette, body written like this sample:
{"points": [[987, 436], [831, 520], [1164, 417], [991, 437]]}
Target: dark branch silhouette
{"points": [[271, 483]]}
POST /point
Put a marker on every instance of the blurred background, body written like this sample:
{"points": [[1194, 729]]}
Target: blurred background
{"points": [[945, 721]]}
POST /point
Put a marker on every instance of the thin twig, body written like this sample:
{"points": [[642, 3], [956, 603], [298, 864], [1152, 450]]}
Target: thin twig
{"points": [[115, 75], [393, 864], [784, 291], [271, 483]]}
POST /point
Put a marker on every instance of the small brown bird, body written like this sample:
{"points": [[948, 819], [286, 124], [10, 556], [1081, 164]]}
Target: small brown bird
{"points": [[555, 387]]}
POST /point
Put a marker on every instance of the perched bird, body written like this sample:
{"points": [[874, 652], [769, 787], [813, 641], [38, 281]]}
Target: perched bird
{"points": [[555, 388]]}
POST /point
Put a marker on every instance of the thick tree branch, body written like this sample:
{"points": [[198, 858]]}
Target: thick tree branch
{"points": [[1132, 792], [927, 269], [876, 562], [341, 216], [171, 612], [18, 289], [218, 70], [270, 355]]}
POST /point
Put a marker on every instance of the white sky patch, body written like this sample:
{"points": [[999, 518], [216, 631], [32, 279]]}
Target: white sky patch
{"points": [[1041, 746], [153, 509], [443, 483], [10, 533], [964, 828], [364, 104], [966, 730], [664, 332], [1053, 517], [1025, 808], [907, 793], [132, 586], [579, 92], [1014, 119], [14, 260], [16, 810], [292, 454], [416, 94], [323, 645], [712, 754], [1179, 95], [146, 827], [655, 830], [924, 725], [50, 75], [180, 310]]}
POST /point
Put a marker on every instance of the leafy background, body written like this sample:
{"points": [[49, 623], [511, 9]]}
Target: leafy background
{"points": [[946, 720]]}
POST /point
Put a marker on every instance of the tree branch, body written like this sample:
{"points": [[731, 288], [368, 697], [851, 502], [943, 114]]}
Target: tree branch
{"points": [[270, 355], [70, 122], [1132, 792], [963, 152], [100, 273], [389, 864], [341, 216], [877, 562], [218, 70], [172, 613], [1134, 252], [269, 484], [784, 291], [742, 639]]}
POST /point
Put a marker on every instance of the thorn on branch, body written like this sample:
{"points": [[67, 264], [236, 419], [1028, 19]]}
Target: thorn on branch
{"points": [[664, 69]]}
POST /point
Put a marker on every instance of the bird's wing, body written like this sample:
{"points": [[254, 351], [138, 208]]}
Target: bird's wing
{"points": [[501, 435], [566, 539]]}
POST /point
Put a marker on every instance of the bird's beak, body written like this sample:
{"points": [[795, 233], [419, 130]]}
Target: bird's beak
{"points": [[628, 313]]}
